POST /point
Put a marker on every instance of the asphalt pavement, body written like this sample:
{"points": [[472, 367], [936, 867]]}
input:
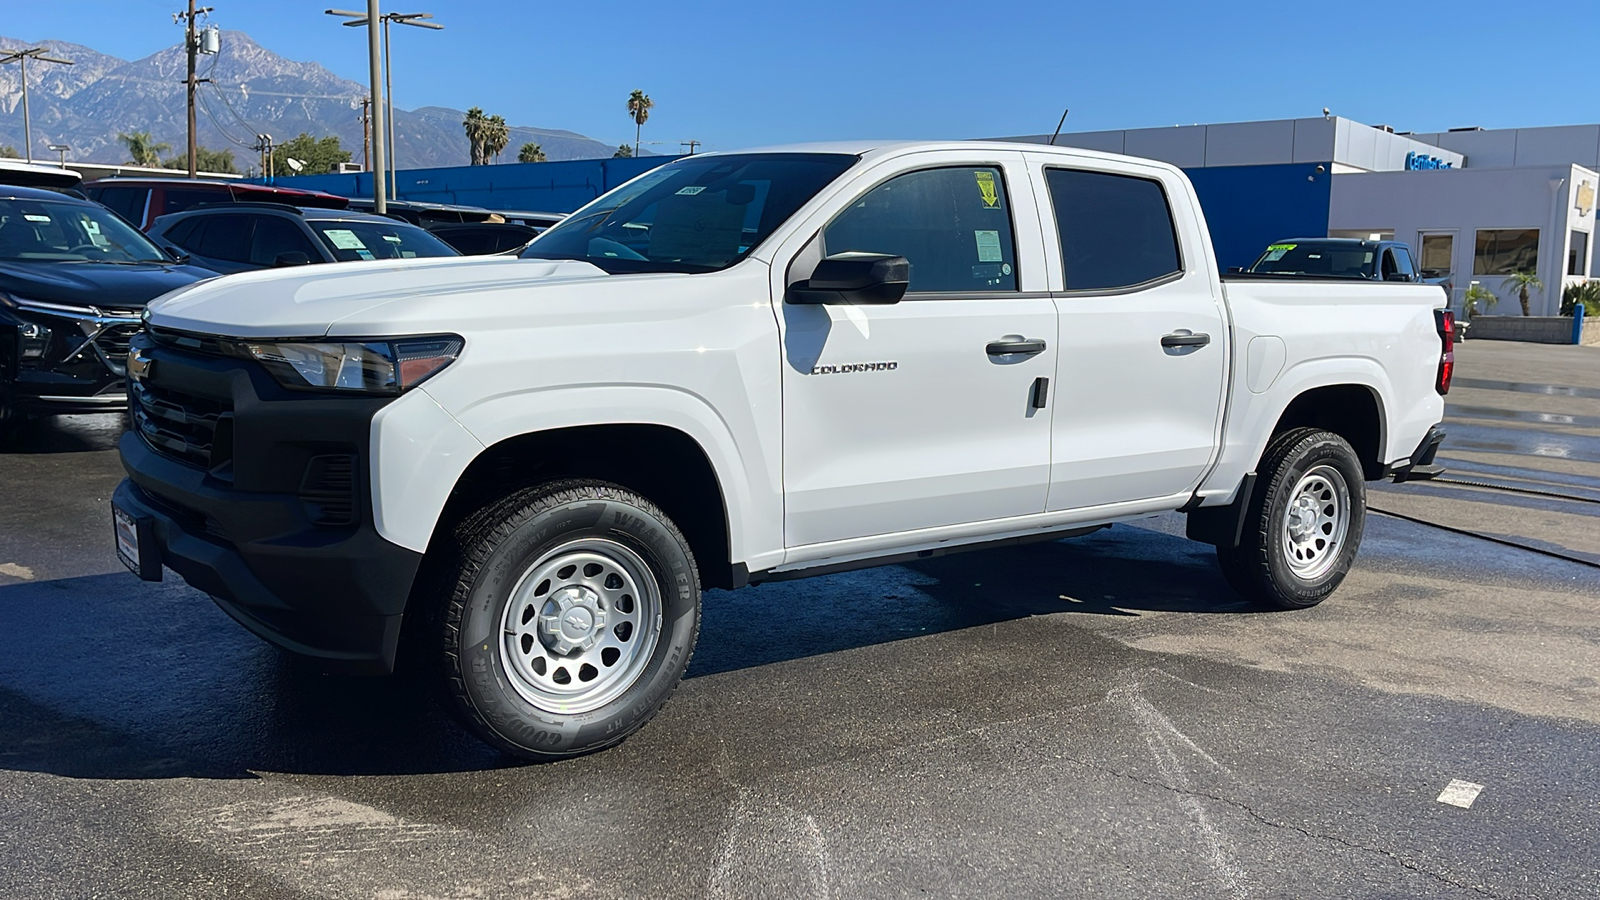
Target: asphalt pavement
{"points": [[1096, 717]]}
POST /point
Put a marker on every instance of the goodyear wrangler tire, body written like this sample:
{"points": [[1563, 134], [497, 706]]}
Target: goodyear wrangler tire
{"points": [[573, 613], [1303, 524]]}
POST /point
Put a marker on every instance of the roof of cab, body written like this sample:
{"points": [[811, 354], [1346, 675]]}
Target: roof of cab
{"points": [[18, 192], [880, 149]]}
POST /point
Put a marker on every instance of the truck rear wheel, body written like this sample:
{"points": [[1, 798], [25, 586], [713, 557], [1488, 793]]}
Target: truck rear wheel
{"points": [[574, 610], [1303, 524]]}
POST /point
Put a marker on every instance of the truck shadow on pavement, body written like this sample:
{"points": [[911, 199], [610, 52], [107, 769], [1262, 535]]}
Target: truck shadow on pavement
{"points": [[63, 434], [106, 677]]}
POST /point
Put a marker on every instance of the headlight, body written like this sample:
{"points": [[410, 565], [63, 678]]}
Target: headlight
{"points": [[374, 367]]}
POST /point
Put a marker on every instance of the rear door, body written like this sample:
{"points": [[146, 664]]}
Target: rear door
{"points": [[1143, 333], [903, 417]]}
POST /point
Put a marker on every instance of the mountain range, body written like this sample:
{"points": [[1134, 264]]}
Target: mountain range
{"points": [[252, 91]]}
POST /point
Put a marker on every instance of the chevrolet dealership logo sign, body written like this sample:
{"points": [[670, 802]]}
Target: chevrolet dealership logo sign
{"points": [[1585, 200]]}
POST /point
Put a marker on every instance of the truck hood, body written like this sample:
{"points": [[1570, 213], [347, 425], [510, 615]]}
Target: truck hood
{"points": [[310, 301]]}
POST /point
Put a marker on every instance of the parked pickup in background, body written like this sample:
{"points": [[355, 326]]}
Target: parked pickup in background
{"points": [[747, 367]]}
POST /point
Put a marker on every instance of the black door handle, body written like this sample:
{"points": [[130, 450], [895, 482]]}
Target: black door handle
{"points": [[1181, 339], [1008, 346]]}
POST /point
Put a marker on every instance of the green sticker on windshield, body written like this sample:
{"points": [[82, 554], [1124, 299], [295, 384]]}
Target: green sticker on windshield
{"points": [[1275, 252]]}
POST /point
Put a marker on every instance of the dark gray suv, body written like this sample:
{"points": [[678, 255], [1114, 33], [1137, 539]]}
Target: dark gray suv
{"points": [[240, 237]]}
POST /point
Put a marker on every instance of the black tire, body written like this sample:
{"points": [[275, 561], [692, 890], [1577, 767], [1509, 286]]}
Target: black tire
{"points": [[498, 683], [1271, 565]]}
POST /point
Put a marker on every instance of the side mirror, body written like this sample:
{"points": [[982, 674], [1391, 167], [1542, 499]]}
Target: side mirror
{"points": [[1236, 270], [292, 258], [854, 278], [1397, 276], [178, 254]]}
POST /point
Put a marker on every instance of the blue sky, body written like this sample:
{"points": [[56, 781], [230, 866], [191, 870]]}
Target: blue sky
{"points": [[742, 74]]}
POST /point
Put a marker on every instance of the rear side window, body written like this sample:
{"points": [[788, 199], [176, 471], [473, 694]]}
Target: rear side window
{"points": [[1116, 230], [127, 202], [953, 226], [1402, 260], [180, 199], [275, 235], [226, 237]]}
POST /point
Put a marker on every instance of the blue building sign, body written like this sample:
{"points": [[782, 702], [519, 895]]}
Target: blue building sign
{"points": [[1418, 161]]}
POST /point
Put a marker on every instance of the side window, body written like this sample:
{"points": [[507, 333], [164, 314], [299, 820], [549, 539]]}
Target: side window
{"points": [[184, 232], [180, 199], [226, 237], [1403, 264], [275, 235], [127, 202], [1116, 230], [953, 225], [1388, 265]]}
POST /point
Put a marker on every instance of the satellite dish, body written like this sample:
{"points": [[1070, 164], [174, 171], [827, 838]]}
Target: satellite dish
{"points": [[294, 164]]}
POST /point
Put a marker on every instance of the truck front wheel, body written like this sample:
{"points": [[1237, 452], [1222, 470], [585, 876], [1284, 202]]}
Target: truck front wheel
{"points": [[574, 609], [1303, 524]]}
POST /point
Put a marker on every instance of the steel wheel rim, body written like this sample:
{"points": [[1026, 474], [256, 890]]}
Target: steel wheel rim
{"points": [[581, 625], [1316, 522]]}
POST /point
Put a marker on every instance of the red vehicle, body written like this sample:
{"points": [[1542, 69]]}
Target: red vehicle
{"points": [[142, 200]]}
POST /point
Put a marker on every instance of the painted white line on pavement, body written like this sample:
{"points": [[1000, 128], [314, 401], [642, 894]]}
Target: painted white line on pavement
{"points": [[1460, 793]]}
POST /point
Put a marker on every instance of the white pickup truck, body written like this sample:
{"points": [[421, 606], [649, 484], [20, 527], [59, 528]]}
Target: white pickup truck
{"points": [[746, 367]]}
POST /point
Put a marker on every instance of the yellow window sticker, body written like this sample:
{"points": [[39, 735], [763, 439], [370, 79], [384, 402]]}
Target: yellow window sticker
{"points": [[988, 246], [345, 239], [1275, 252], [987, 190]]}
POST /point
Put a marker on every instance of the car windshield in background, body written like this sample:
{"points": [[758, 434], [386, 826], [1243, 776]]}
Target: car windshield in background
{"points": [[48, 231], [1323, 259], [350, 241], [696, 215]]}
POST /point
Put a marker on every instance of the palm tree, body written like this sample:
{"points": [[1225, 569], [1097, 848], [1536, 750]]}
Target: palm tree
{"points": [[1523, 281], [639, 104], [623, 152], [1478, 298], [496, 135], [476, 125], [143, 149], [530, 153]]}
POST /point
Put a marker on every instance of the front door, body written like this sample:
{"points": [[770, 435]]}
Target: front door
{"points": [[1144, 341], [921, 414]]}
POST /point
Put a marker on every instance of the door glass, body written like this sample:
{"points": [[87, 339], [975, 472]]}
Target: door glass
{"points": [[1116, 231], [127, 202], [275, 235], [953, 225], [1402, 263], [226, 238]]}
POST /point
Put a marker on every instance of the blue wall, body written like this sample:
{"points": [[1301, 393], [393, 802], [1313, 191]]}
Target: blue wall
{"points": [[1249, 207], [545, 187]]}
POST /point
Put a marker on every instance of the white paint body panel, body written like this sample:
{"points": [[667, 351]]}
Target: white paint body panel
{"points": [[942, 450]]}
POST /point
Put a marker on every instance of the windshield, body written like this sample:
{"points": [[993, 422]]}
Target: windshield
{"points": [[698, 214], [350, 241], [1322, 258], [63, 231]]}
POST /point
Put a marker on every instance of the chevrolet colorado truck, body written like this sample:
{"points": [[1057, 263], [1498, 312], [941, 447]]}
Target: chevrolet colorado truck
{"points": [[745, 367]]}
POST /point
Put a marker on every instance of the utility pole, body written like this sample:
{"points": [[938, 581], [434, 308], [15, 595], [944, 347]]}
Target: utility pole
{"points": [[21, 57], [264, 146], [692, 145], [366, 132], [192, 45]]}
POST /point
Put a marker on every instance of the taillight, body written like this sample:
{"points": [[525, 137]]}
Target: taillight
{"points": [[1446, 321]]}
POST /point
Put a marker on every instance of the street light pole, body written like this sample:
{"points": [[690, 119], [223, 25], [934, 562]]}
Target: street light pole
{"points": [[380, 134], [21, 57]]}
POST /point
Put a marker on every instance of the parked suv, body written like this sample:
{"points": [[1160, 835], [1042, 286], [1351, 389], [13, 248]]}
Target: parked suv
{"points": [[1337, 258], [241, 237], [143, 200], [74, 279]]}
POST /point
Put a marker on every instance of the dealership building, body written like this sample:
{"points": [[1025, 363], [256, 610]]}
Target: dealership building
{"points": [[1474, 204]]}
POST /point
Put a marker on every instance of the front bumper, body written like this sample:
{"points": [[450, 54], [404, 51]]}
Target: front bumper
{"points": [[58, 362], [283, 540]]}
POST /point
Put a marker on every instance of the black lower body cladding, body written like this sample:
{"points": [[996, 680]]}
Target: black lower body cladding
{"points": [[260, 497]]}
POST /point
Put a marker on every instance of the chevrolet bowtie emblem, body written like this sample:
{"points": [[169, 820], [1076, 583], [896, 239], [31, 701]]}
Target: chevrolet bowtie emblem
{"points": [[139, 365]]}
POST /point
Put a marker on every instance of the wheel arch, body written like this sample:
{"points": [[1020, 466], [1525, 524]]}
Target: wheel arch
{"points": [[1352, 410]]}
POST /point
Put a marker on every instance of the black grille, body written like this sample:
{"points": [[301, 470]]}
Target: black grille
{"points": [[196, 430], [113, 344], [328, 490]]}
